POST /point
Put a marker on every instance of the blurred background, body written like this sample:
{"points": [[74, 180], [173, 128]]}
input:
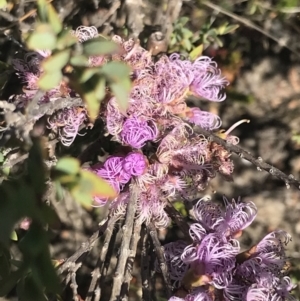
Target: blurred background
{"points": [[257, 46]]}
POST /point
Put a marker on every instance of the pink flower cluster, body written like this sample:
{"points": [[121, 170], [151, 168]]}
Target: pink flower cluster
{"points": [[213, 268], [154, 128], [180, 162]]}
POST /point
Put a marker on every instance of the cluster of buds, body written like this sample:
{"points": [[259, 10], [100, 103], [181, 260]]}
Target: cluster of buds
{"points": [[213, 268]]}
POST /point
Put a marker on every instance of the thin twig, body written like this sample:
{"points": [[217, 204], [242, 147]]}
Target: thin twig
{"points": [[85, 247], [53, 106], [153, 270], [130, 261], [178, 219], [250, 24], [72, 278], [124, 249], [110, 12], [106, 255], [258, 162], [145, 265], [10, 163], [160, 258], [99, 267]]}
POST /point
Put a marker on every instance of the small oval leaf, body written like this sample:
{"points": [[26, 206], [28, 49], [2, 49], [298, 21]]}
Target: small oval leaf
{"points": [[43, 37], [50, 80], [68, 165], [99, 46], [56, 61]]}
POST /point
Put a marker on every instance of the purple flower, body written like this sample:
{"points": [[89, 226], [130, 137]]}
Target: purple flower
{"points": [[176, 267], [114, 118], [119, 204], [207, 81], [228, 223], [208, 213], [67, 123], [206, 120], [197, 232], [237, 217], [136, 132], [113, 170], [212, 257], [150, 207], [84, 33], [172, 185], [283, 289], [270, 287], [173, 79], [135, 164]]}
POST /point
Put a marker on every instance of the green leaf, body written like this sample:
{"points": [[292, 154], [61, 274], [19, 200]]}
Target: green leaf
{"points": [[34, 241], [36, 167], [65, 39], [186, 44], [14, 236], [29, 289], [79, 61], [115, 71], [93, 104], [5, 262], [50, 80], [43, 37], [99, 46], [121, 91], [219, 42], [68, 165], [186, 33], [89, 186], [183, 20], [118, 75], [56, 61], [230, 28], [3, 4], [8, 283], [100, 90], [54, 19], [225, 28], [44, 272], [87, 73], [196, 52], [42, 12]]}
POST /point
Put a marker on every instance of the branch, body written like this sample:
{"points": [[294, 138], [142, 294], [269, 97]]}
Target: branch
{"points": [[178, 219], [250, 24], [21, 158], [53, 106], [98, 271], [258, 162], [145, 265], [130, 261], [160, 258], [72, 277], [124, 249], [85, 247]]}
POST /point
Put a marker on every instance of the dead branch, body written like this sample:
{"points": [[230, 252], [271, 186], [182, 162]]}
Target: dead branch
{"points": [[160, 258], [124, 249], [145, 274], [98, 271], [85, 248], [130, 261], [258, 162]]}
